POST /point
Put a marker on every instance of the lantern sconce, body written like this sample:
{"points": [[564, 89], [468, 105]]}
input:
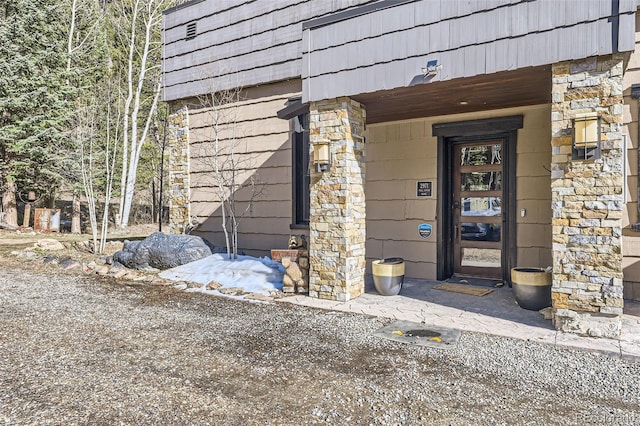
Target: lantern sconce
{"points": [[322, 156], [586, 137]]}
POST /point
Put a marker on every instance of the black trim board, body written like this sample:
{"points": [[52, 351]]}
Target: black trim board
{"points": [[294, 108], [478, 127]]}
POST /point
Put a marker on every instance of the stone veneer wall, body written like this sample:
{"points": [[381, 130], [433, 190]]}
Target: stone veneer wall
{"points": [[178, 164], [337, 231], [587, 200]]}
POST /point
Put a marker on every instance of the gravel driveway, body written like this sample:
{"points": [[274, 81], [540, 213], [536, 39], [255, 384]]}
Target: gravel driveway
{"points": [[83, 350]]}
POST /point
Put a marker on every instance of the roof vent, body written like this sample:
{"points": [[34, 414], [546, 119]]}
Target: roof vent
{"points": [[191, 30]]}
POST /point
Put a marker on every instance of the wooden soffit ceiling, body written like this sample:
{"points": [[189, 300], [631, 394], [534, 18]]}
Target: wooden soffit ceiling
{"points": [[526, 86]]}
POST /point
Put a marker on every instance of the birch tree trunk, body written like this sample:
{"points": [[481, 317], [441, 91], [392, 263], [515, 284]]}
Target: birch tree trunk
{"points": [[127, 109], [142, 69]]}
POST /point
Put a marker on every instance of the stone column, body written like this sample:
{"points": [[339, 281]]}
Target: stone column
{"points": [[178, 171], [587, 200], [337, 217]]}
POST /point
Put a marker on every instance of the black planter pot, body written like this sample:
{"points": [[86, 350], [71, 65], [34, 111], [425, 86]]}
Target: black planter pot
{"points": [[531, 287]]}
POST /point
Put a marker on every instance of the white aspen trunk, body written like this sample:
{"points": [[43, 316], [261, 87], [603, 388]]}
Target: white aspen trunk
{"points": [[72, 30], [127, 108], [135, 143], [110, 168], [87, 182], [135, 159]]}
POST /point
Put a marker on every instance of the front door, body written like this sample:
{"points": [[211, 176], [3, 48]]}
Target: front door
{"points": [[477, 208]]}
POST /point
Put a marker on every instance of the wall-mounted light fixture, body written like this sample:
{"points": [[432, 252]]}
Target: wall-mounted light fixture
{"points": [[322, 156], [431, 69], [586, 136]]}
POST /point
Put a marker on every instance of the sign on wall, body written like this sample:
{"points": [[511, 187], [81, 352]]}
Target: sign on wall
{"points": [[424, 229], [424, 188]]}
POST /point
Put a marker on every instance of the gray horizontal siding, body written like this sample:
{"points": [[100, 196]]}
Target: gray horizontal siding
{"points": [[387, 48], [249, 42]]}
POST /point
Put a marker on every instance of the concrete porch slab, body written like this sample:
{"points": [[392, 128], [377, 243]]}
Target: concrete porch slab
{"points": [[496, 313]]}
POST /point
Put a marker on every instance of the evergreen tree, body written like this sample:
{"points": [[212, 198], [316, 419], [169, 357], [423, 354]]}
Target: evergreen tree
{"points": [[35, 99]]}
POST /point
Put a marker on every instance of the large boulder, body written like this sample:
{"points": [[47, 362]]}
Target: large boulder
{"points": [[162, 251]]}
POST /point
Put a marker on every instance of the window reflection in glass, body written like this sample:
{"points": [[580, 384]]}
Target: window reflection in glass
{"points": [[481, 206], [480, 155], [472, 231], [481, 181], [482, 258]]}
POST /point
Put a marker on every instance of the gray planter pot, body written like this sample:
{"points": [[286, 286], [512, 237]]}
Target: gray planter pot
{"points": [[531, 287], [388, 275]]}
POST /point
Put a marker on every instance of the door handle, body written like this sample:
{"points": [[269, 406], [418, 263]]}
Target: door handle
{"points": [[456, 233]]}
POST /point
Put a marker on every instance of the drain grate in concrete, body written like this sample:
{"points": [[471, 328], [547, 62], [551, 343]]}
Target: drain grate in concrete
{"points": [[419, 334]]}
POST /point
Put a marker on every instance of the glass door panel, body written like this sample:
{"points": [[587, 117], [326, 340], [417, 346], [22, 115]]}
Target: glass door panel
{"points": [[477, 209]]}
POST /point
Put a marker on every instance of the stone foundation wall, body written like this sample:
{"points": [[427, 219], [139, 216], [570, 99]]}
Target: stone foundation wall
{"points": [[178, 171], [296, 269], [587, 200], [337, 230]]}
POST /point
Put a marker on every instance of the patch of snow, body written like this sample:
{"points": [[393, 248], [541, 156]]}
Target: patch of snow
{"points": [[252, 274]]}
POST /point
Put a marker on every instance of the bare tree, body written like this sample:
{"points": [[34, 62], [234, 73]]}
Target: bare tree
{"points": [[85, 135], [96, 115], [111, 153], [232, 168], [97, 148], [84, 26]]}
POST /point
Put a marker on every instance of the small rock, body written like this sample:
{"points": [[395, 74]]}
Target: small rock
{"points": [[231, 290], [145, 278], [160, 282], [92, 265], [101, 260], [30, 255], [191, 284], [51, 259], [181, 286], [547, 313], [594, 332], [213, 285], [102, 270], [118, 272], [49, 244], [69, 264], [257, 296]]}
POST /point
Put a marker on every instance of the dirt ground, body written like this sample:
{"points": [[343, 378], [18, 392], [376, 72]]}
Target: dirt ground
{"points": [[75, 245]]}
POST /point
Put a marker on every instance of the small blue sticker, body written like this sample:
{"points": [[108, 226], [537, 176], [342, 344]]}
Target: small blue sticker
{"points": [[424, 229]]}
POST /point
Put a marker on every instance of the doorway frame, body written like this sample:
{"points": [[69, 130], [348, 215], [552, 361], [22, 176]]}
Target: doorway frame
{"points": [[448, 134]]}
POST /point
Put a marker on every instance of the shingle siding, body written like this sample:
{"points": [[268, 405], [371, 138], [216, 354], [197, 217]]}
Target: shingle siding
{"points": [[386, 49], [246, 43]]}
